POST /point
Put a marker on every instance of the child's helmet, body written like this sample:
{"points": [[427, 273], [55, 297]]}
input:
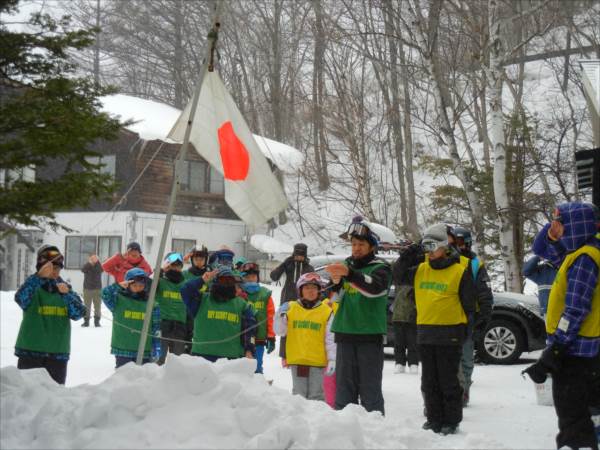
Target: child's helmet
{"points": [[309, 278]]}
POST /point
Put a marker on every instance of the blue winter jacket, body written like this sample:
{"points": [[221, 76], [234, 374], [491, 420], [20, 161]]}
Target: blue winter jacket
{"points": [[541, 273]]}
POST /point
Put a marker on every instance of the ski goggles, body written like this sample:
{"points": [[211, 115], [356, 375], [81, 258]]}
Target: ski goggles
{"points": [[54, 257], [249, 268], [429, 245], [174, 258], [361, 230], [313, 277]]}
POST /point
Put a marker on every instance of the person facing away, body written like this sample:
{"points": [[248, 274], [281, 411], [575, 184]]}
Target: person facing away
{"points": [[224, 324], [445, 296], [310, 343], [542, 273], [127, 301], [173, 314], [362, 283], [572, 356], [92, 284], [118, 264], [461, 239], [49, 304], [262, 302]]}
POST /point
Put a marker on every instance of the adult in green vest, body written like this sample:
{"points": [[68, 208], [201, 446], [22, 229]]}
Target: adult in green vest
{"points": [[197, 257], [445, 296], [173, 315], [362, 283], [48, 304], [262, 302], [224, 324], [127, 301], [572, 356]]}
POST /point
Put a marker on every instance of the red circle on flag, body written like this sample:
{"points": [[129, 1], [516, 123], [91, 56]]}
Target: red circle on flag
{"points": [[234, 156]]}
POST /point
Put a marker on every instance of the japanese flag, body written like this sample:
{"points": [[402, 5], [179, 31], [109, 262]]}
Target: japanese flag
{"points": [[222, 137]]}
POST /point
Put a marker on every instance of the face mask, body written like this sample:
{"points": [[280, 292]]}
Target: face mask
{"points": [[251, 287], [174, 275]]}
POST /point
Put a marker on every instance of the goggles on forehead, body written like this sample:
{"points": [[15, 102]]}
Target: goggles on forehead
{"points": [[175, 258], [312, 277], [358, 229], [431, 245]]}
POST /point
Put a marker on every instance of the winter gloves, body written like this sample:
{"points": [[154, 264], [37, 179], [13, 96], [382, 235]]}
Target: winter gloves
{"points": [[550, 361], [270, 344], [330, 370]]}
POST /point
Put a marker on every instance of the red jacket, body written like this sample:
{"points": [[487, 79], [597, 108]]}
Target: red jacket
{"points": [[117, 266]]}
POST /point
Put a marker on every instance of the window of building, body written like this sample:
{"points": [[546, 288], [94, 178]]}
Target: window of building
{"points": [[108, 246], [182, 245], [200, 177], [79, 249], [108, 163]]}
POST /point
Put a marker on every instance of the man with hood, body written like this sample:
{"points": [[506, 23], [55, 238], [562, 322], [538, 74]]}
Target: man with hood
{"points": [[224, 324], [362, 283], [173, 314], [49, 304], [570, 242], [127, 302], [445, 296], [118, 264]]}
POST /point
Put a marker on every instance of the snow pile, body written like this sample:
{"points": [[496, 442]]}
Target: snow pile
{"points": [[188, 403], [269, 245]]}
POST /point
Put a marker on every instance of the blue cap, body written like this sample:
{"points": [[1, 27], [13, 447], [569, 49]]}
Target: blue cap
{"points": [[134, 273]]}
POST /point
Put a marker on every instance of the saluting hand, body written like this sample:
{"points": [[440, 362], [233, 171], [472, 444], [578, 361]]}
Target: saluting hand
{"points": [[46, 270], [207, 276], [63, 288]]}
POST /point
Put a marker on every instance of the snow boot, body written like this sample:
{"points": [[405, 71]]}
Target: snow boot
{"points": [[449, 429], [400, 368], [96, 321], [414, 369], [435, 427], [466, 398], [86, 322]]}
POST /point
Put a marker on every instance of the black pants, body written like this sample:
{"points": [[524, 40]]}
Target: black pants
{"points": [[405, 343], [173, 330], [439, 383], [575, 390], [359, 369], [57, 368]]}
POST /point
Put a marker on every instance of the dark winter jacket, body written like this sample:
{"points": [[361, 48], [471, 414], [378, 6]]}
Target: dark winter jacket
{"points": [[485, 298], [405, 270], [293, 270], [405, 309], [541, 273], [92, 276]]}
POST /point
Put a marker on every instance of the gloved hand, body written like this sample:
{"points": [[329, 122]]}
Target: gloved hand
{"points": [[411, 256], [330, 370], [550, 361], [270, 344]]}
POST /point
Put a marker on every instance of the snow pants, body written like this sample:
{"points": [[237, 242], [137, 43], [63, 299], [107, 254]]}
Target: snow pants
{"points": [[260, 355], [405, 343], [576, 390], [308, 382], [439, 383], [171, 329], [56, 368], [329, 387], [359, 371], [467, 363]]}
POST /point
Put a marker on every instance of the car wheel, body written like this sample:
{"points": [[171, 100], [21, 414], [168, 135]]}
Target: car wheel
{"points": [[502, 342]]}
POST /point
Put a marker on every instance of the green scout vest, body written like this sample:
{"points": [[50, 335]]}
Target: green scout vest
{"points": [[46, 327], [187, 275], [217, 321], [170, 302], [259, 301], [358, 314], [590, 327], [129, 314]]}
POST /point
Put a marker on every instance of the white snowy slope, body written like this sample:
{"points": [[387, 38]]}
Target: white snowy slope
{"points": [[189, 403]]}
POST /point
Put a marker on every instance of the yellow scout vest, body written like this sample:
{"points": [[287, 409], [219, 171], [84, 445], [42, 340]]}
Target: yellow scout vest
{"points": [[590, 327], [305, 342], [436, 295]]}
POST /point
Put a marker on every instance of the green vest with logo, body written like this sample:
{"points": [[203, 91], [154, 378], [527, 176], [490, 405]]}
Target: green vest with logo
{"points": [[127, 317], [219, 321], [169, 299], [46, 327], [187, 275], [358, 314], [259, 301]]}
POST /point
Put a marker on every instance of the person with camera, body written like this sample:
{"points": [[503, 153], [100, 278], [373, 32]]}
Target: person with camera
{"points": [[461, 239], [127, 302], [570, 242], [362, 283], [49, 304], [445, 297]]}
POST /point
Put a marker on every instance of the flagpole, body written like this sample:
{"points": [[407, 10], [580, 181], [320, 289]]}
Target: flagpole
{"points": [[206, 66]]}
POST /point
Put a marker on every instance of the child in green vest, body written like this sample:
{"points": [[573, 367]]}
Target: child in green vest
{"points": [[127, 301], [48, 304], [310, 346], [197, 257], [224, 324], [173, 315], [260, 299]]}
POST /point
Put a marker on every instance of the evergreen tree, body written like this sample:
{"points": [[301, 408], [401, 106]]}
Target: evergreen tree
{"points": [[48, 114]]}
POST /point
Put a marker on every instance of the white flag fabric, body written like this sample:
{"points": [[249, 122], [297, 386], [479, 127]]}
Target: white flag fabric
{"points": [[222, 137]]}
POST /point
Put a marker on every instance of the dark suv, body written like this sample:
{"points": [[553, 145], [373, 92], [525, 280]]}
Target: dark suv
{"points": [[516, 325]]}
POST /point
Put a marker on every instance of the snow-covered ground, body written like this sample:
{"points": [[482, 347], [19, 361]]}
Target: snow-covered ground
{"points": [[190, 403]]}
